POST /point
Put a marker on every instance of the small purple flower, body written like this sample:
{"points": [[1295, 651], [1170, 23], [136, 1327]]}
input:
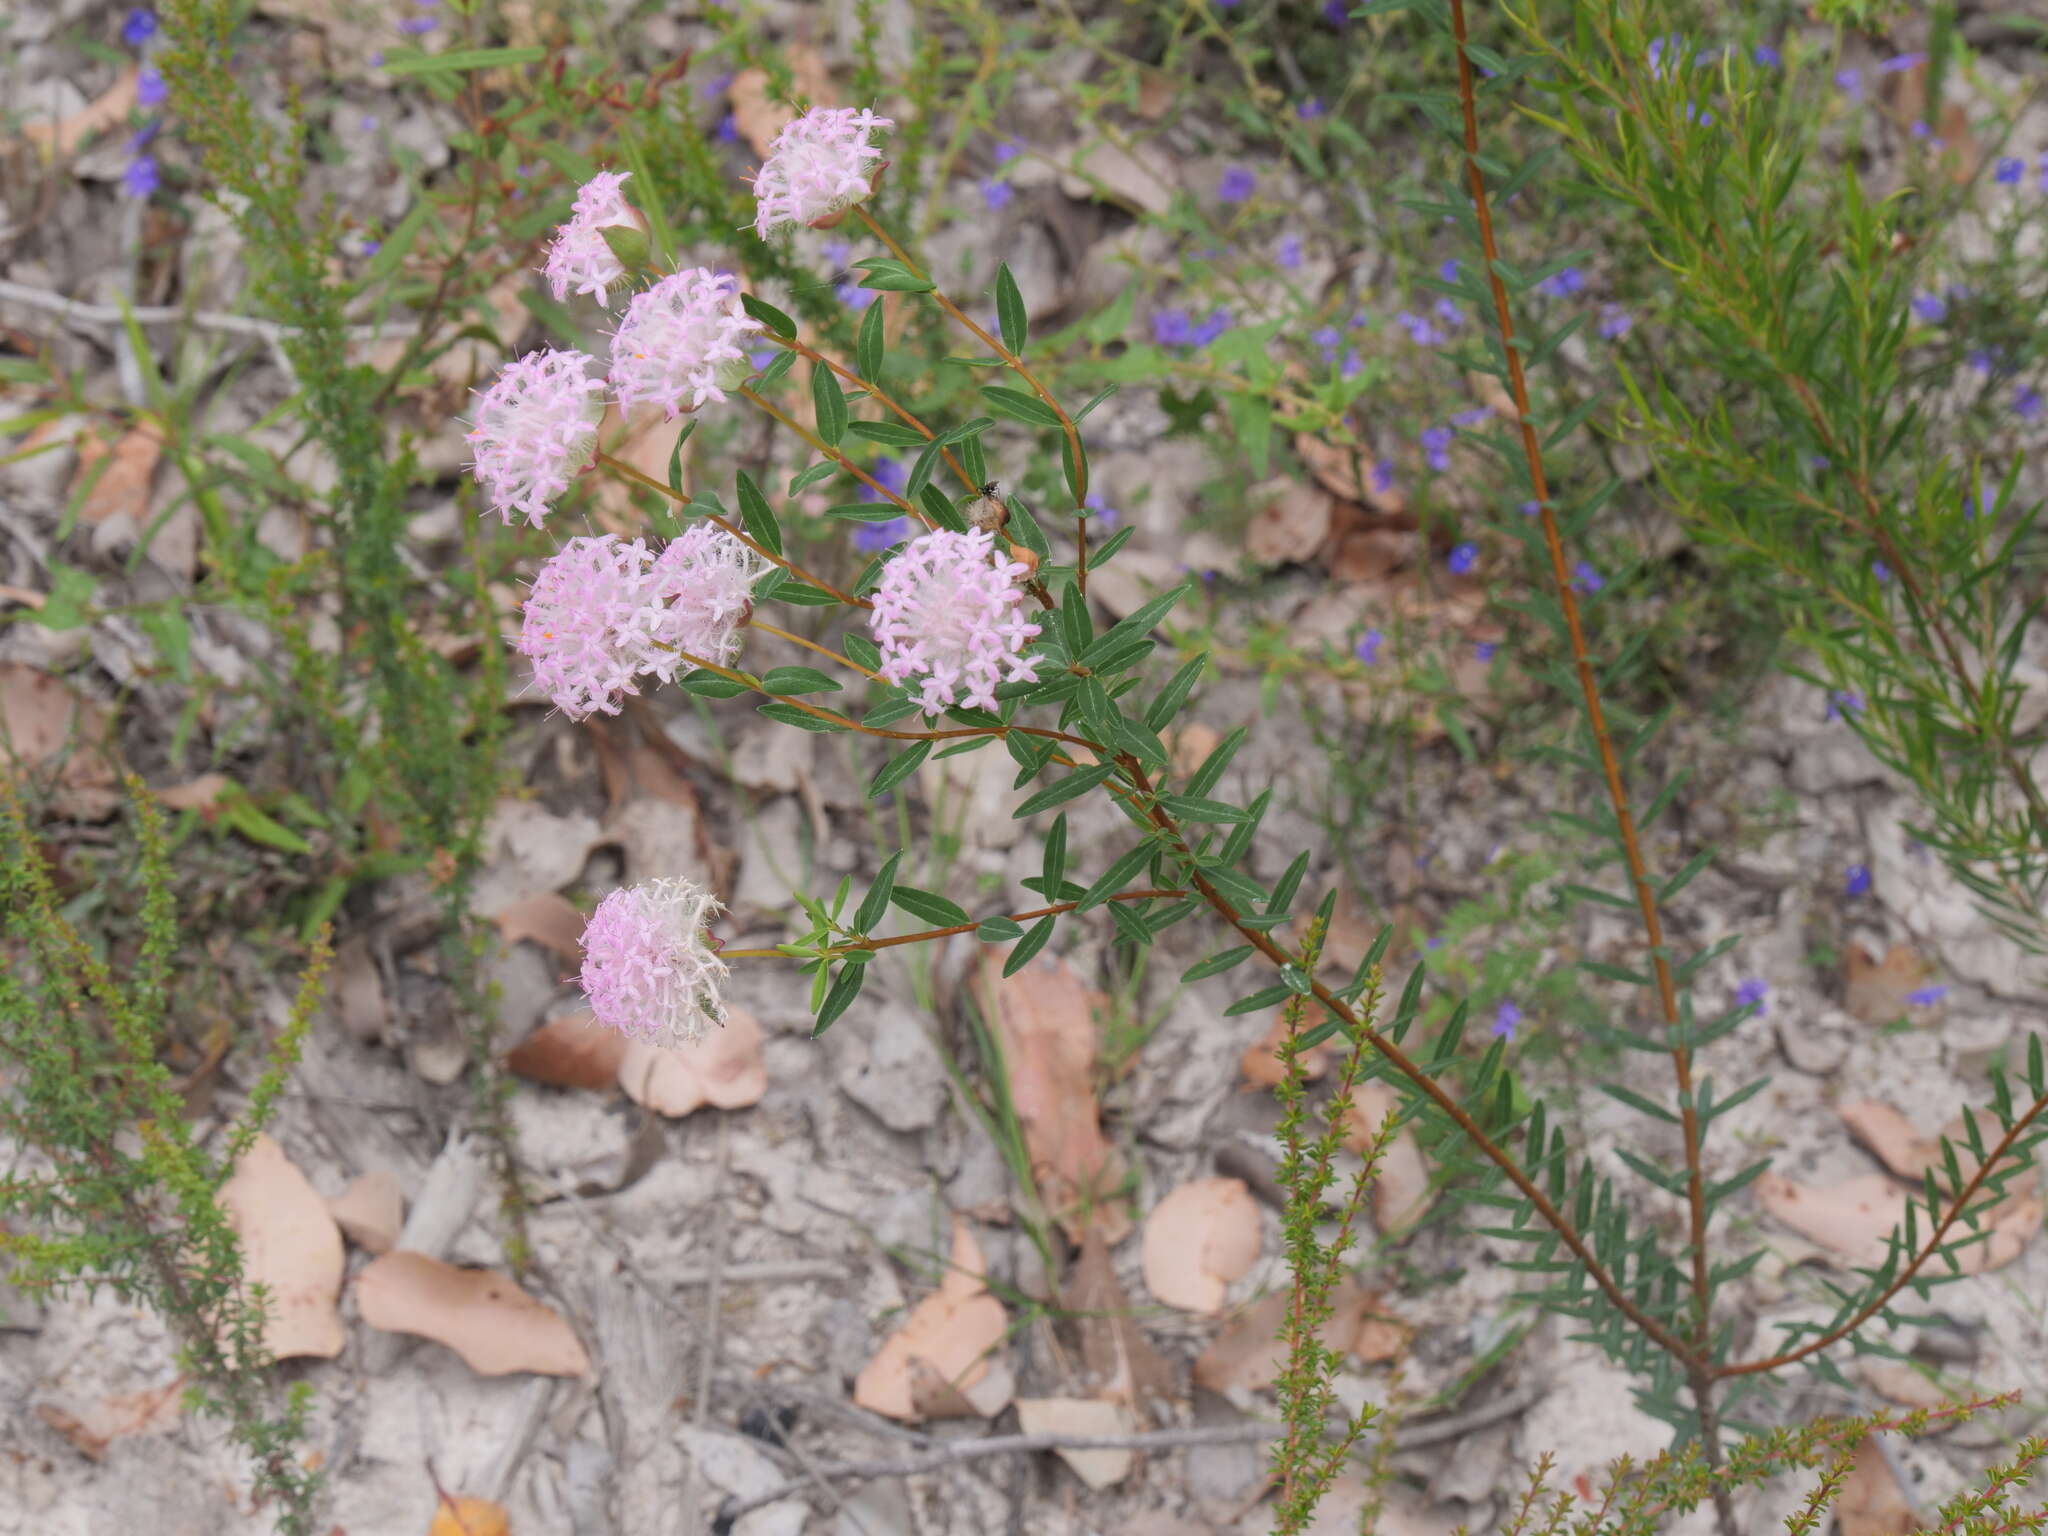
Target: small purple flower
{"points": [[1586, 579], [1614, 321], [1930, 307], [142, 178], [873, 538], [761, 357], [1172, 328], [1844, 701], [1007, 150], [855, 297], [150, 89], [1850, 83], [1105, 514], [1881, 571], [1449, 270], [1560, 285], [1751, 994], [138, 141], [1484, 650], [1420, 331], [1368, 648], [1901, 63], [1310, 109], [1531, 508], [1436, 446], [1436, 941], [1472, 418], [2026, 402], [139, 28], [837, 253], [1927, 997], [416, 26], [1336, 12], [376, 58], [371, 247], [1858, 881], [1352, 366], [1382, 478], [1656, 55], [997, 194], [1504, 1021], [716, 86], [1463, 558], [1289, 255], [728, 130], [1766, 56], [2010, 168], [1236, 185], [890, 473], [1447, 311], [1328, 338], [1217, 323]]}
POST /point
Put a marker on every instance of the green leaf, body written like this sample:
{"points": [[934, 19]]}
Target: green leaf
{"points": [[844, 991], [1029, 945], [890, 434], [929, 906], [792, 680], [777, 322], [998, 930], [1055, 868], [1192, 808], [803, 720], [709, 685], [1063, 790], [898, 768], [458, 60], [829, 402], [675, 456], [885, 274], [755, 515], [1269, 997], [1018, 406], [876, 902], [867, 349], [1010, 317], [778, 367], [1216, 965], [1114, 878], [1162, 710], [799, 593]]}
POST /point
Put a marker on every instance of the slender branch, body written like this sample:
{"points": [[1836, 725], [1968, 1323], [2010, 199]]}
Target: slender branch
{"points": [[834, 454], [875, 392], [77, 311], [928, 934], [1905, 1275], [620, 467], [1010, 360], [1596, 717], [756, 622]]}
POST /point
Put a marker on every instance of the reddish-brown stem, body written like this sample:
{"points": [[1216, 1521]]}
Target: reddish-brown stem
{"points": [[1016, 365], [875, 392], [946, 933], [620, 467], [834, 455]]}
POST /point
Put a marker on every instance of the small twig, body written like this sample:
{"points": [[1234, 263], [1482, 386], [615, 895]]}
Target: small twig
{"points": [[768, 1271], [77, 310], [952, 1454], [707, 1357]]}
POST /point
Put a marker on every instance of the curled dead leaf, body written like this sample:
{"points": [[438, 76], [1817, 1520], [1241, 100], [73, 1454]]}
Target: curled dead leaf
{"points": [[93, 1428], [549, 919], [758, 117], [115, 479], [371, 1211], [1044, 1021], [1262, 1065], [1875, 991], [47, 728], [107, 111], [1201, 1237], [1871, 1502], [483, 1316], [1290, 525], [1248, 1355], [953, 1335], [1347, 471], [570, 1050], [1121, 1363], [195, 794], [724, 1069], [289, 1245], [1099, 1469]]}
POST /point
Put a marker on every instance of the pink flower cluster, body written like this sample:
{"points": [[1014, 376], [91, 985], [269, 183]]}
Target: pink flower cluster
{"points": [[680, 342], [948, 613], [534, 431], [604, 612], [818, 166], [648, 968], [579, 258]]}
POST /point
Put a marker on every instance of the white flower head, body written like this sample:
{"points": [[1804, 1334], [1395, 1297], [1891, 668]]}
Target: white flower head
{"points": [[580, 259], [679, 343], [820, 165], [534, 431], [649, 968]]}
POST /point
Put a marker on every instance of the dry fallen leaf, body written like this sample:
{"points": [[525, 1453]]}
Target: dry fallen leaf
{"points": [[1401, 1192], [93, 1428], [1044, 1020], [1247, 1356], [1852, 1218], [1290, 525], [483, 1316], [291, 1245], [1099, 1469], [757, 117], [1347, 472], [469, 1517], [1875, 991], [44, 725], [108, 110], [1121, 1363], [1201, 1237], [570, 1050], [1890, 1135], [550, 920], [195, 794], [952, 1334], [359, 990], [1261, 1062], [123, 484], [371, 1211], [1871, 1502], [724, 1069]]}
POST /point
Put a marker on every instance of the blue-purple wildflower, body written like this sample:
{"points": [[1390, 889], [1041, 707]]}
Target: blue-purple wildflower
{"points": [[997, 194], [1857, 881], [1752, 994], [1368, 648], [1927, 997], [1586, 579], [139, 28], [1289, 254], [1560, 285], [1237, 184], [1930, 307], [141, 178], [1436, 447], [1505, 1018], [1463, 558]]}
